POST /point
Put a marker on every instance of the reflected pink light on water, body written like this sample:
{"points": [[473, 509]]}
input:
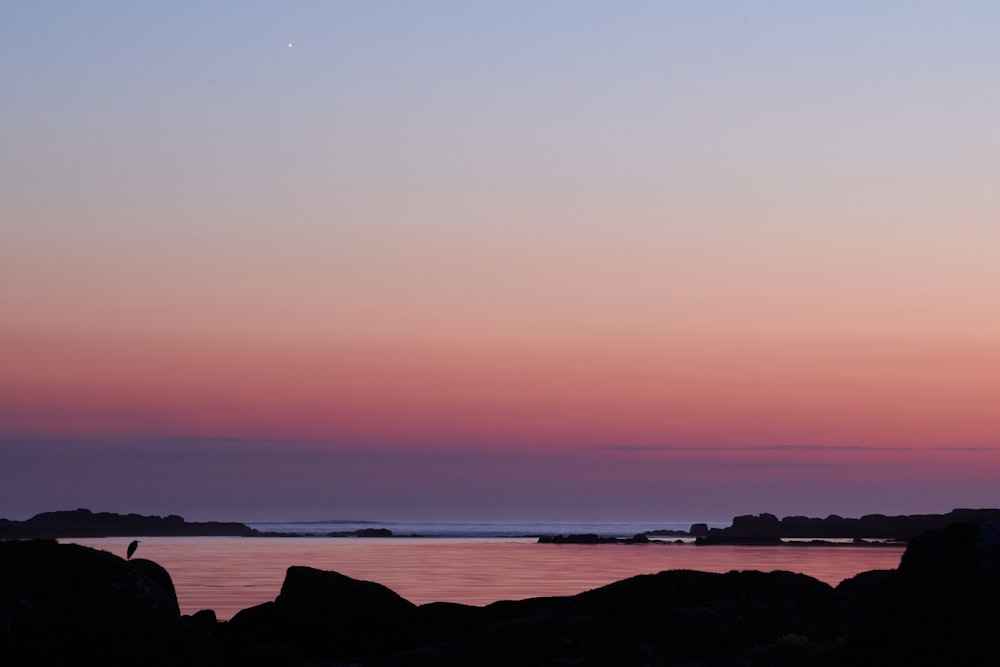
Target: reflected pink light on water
{"points": [[230, 574]]}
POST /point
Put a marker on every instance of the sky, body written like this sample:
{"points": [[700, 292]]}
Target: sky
{"points": [[499, 260]]}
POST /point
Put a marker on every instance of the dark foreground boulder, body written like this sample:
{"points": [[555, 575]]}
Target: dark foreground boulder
{"points": [[69, 604], [941, 606], [677, 617], [327, 614]]}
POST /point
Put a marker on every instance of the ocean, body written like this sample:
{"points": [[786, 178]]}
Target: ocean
{"points": [[467, 562]]}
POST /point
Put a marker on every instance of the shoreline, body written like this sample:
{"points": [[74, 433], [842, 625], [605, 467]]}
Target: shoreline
{"points": [[746, 530]]}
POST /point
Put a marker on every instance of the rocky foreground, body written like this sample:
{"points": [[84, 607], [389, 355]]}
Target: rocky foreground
{"points": [[68, 604]]}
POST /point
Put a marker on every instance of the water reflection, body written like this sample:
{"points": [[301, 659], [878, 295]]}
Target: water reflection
{"points": [[231, 573]]}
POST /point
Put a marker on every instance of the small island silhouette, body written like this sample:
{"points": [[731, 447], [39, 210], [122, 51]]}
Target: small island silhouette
{"points": [[84, 523]]}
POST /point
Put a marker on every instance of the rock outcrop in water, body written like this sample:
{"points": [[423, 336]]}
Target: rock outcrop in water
{"points": [[764, 527], [363, 532], [64, 604], [591, 538]]}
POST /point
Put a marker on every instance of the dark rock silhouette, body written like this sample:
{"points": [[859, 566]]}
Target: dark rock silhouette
{"points": [[667, 532], [70, 604], [880, 526], [577, 538], [84, 523], [591, 538], [64, 603], [753, 539], [363, 532], [674, 617], [942, 605], [698, 529], [327, 613]]}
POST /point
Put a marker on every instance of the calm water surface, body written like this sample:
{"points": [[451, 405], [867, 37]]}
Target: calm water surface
{"points": [[231, 573]]}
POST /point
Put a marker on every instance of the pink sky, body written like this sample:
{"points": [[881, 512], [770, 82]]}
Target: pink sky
{"points": [[732, 261]]}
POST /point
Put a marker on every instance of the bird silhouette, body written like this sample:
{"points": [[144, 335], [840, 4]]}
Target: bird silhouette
{"points": [[131, 549]]}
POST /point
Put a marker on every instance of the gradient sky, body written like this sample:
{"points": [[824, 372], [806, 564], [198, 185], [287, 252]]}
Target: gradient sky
{"points": [[632, 260]]}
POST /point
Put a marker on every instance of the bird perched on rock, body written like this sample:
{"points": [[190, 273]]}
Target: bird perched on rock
{"points": [[131, 549]]}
